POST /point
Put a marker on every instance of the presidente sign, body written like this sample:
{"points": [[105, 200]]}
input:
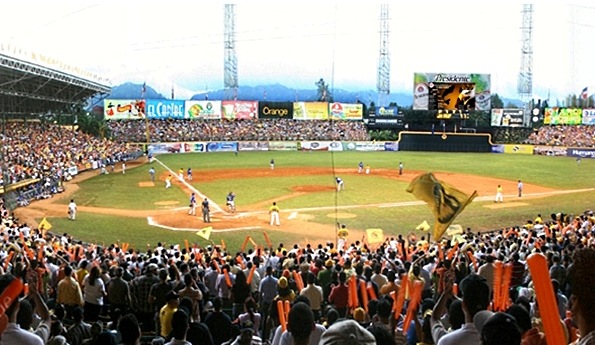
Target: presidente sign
{"points": [[425, 84], [275, 110]]}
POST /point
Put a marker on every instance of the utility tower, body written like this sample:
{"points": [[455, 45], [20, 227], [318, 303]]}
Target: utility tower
{"points": [[383, 78], [525, 82], [230, 64]]}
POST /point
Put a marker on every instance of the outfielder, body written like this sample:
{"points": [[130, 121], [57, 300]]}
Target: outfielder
{"points": [[274, 212]]}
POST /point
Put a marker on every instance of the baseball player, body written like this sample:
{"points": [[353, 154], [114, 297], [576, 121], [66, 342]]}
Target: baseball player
{"points": [[123, 168], [400, 168], [168, 181], [342, 234], [71, 210], [499, 197], [152, 173], [520, 188], [230, 201], [340, 184], [206, 215], [360, 167], [181, 174], [189, 174], [272, 164], [367, 169], [274, 212], [192, 210]]}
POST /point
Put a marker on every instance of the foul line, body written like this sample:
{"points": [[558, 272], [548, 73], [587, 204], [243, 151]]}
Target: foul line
{"points": [[189, 186]]}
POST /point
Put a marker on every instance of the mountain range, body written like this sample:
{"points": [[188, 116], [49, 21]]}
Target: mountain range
{"points": [[273, 92]]}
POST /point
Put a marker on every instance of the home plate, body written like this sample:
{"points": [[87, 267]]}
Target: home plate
{"points": [[293, 215]]}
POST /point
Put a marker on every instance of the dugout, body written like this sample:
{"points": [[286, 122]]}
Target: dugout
{"points": [[444, 142]]}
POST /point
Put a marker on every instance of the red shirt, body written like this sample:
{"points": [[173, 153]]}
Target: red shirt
{"points": [[339, 296]]}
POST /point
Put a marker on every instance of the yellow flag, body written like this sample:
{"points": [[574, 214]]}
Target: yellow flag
{"points": [[424, 226], [205, 232], [375, 235], [445, 200], [454, 229], [44, 224]]}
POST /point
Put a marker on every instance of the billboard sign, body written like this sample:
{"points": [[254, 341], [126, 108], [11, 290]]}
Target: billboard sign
{"points": [[508, 117], [202, 110], [346, 111], [451, 91], [563, 116], [161, 109], [588, 116], [239, 110], [275, 110], [124, 109], [310, 110]]}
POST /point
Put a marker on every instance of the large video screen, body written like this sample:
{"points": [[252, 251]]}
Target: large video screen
{"points": [[451, 91]]}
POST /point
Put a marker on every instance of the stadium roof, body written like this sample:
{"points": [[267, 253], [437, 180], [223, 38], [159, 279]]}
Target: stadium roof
{"points": [[30, 89]]}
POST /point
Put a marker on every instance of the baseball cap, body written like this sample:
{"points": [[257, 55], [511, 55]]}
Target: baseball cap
{"points": [[480, 318], [347, 332], [329, 263], [152, 267], [282, 282]]}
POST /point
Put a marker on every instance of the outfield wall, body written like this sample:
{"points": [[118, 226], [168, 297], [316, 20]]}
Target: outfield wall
{"points": [[436, 142]]}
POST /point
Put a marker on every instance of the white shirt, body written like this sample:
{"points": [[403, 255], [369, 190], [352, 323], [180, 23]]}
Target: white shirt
{"points": [[15, 335], [72, 206], [466, 335], [285, 338]]}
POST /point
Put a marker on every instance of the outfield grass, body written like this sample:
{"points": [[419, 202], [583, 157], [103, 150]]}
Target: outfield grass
{"points": [[122, 191]]}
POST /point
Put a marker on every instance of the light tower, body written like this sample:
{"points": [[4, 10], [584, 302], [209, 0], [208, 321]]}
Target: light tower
{"points": [[383, 79], [230, 65], [525, 82]]}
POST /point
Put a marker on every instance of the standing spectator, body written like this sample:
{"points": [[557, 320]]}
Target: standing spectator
{"points": [[324, 278], [79, 330], [250, 315], [268, 291], [158, 295], [487, 271], [219, 323], [581, 281], [94, 291], [314, 294], [166, 313], [118, 292], [129, 330], [69, 292], [141, 287], [240, 291], [180, 323], [194, 294], [339, 294]]}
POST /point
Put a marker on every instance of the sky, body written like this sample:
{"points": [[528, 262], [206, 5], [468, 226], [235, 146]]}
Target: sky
{"points": [[295, 43]]}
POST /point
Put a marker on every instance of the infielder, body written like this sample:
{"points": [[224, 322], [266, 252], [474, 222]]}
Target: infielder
{"points": [[71, 210], [181, 174], [274, 212], [499, 197], [340, 184], [230, 201], [152, 173], [189, 174], [192, 210], [367, 169], [520, 188], [168, 181], [360, 167], [400, 168], [272, 164], [123, 168]]}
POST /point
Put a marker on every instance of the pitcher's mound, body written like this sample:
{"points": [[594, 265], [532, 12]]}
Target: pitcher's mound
{"points": [[341, 215], [146, 184], [167, 203]]}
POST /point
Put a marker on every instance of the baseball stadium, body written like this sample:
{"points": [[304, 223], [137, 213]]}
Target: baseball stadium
{"points": [[130, 208]]}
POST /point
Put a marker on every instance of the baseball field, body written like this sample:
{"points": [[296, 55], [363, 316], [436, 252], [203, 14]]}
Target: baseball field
{"points": [[128, 208]]}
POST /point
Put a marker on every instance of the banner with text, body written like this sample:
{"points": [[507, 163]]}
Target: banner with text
{"points": [[346, 111], [253, 146], [239, 110], [283, 146], [124, 109], [369, 146], [518, 149], [588, 116], [222, 146], [544, 150], [275, 110], [202, 110], [508, 117], [161, 109], [310, 110], [583, 153]]}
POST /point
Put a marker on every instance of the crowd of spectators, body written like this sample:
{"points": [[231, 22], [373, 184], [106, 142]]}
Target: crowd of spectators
{"points": [[403, 291], [569, 136], [45, 152], [171, 130]]}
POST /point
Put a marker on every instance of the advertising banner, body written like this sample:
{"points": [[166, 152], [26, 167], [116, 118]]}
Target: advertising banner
{"points": [[349, 145], [310, 110], [498, 148], [222, 146], [283, 146], [275, 110], [450, 91], [583, 153], [124, 109], [346, 111], [391, 146], [544, 150], [320, 146], [196, 146], [202, 110], [369, 146], [239, 110], [508, 117], [160, 109], [588, 116], [519, 149], [563, 116], [253, 145]]}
